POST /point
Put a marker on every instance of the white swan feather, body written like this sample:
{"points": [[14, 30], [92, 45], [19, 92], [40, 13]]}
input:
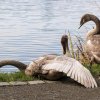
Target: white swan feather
{"points": [[73, 69]]}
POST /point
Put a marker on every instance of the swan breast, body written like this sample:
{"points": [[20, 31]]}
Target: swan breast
{"points": [[93, 43], [93, 47]]}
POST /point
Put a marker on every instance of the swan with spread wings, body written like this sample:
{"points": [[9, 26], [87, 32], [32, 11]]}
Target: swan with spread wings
{"points": [[53, 67]]}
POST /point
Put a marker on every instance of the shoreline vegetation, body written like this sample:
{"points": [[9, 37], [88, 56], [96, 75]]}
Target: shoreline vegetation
{"points": [[77, 51], [20, 76], [16, 76]]}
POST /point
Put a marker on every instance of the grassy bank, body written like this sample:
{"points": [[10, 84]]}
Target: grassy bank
{"points": [[17, 76], [20, 76], [95, 69]]}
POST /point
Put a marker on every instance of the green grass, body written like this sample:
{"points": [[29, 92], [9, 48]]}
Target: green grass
{"points": [[96, 70], [17, 76]]}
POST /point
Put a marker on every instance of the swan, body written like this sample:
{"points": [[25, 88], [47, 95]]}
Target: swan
{"points": [[53, 67], [34, 69], [92, 45]]}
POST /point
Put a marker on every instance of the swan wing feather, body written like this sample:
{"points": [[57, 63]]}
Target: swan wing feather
{"points": [[73, 69]]}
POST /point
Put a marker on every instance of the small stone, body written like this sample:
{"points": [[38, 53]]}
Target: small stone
{"points": [[17, 83], [50, 81], [36, 82], [4, 83]]}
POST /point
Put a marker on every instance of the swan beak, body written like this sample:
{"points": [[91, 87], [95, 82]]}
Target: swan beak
{"points": [[80, 26]]}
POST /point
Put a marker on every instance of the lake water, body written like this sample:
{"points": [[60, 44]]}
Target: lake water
{"points": [[31, 28]]}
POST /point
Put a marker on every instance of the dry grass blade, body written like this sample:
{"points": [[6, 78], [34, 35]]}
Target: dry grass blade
{"points": [[71, 45]]}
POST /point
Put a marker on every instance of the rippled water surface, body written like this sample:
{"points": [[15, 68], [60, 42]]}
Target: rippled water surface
{"points": [[31, 28]]}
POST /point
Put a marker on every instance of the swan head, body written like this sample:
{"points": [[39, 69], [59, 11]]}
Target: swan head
{"points": [[64, 42], [32, 69], [85, 18]]}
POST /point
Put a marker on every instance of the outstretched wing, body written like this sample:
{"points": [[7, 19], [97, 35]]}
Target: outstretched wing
{"points": [[74, 69]]}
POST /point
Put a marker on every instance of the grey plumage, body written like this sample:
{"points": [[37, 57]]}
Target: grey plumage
{"points": [[92, 45]]}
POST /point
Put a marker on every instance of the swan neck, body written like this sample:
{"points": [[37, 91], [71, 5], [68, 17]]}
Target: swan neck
{"points": [[64, 42], [21, 66], [97, 22], [66, 49]]}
